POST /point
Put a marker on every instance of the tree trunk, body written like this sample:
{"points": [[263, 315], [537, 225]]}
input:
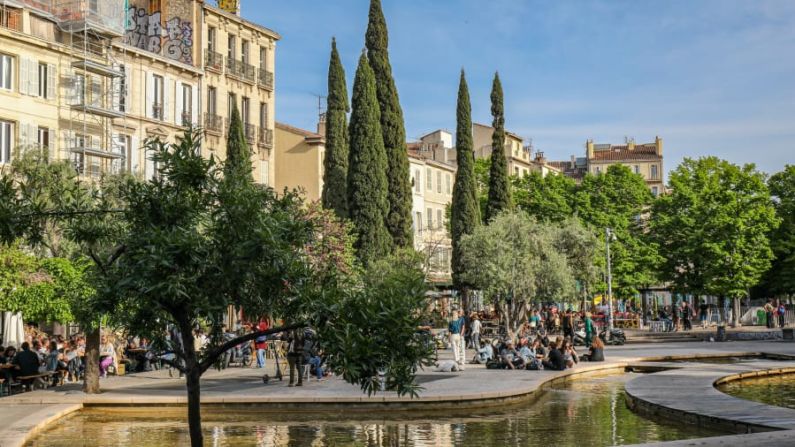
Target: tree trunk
{"points": [[193, 383], [736, 314], [91, 374], [722, 309]]}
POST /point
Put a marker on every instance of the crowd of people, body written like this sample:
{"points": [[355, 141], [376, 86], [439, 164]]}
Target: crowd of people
{"points": [[44, 360]]}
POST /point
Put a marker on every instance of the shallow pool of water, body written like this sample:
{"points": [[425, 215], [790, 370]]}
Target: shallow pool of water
{"points": [[772, 390], [582, 413]]}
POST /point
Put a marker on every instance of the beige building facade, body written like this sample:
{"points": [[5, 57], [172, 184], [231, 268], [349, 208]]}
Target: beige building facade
{"points": [[92, 81], [301, 154], [643, 159]]}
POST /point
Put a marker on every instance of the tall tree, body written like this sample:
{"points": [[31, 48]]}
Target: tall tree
{"points": [[465, 210], [780, 279], [238, 152], [499, 188], [392, 129], [717, 218], [335, 172], [549, 197], [367, 180]]}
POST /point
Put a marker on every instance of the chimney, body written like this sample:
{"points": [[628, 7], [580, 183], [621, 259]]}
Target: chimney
{"points": [[658, 142], [321, 125], [232, 6], [631, 144], [573, 162], [589, 149]]}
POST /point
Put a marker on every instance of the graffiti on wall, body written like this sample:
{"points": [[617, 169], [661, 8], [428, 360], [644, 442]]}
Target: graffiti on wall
{"points": [[145, 31]]}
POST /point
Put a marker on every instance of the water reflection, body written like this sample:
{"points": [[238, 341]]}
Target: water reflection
{"points": [[772, 390], [589, 412]]}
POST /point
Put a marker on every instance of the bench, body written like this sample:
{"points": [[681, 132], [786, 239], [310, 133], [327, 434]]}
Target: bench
{"points": [[27, 381]]}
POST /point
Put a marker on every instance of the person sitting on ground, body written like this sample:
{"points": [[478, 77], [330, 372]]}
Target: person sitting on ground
{"points": [[569, 354], [484, 354], [510, 358], [596, 353], [554, 360], [316, 364]]}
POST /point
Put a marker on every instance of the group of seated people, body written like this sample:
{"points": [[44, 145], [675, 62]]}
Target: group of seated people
{"points": [[56, 358], [537, 354]]}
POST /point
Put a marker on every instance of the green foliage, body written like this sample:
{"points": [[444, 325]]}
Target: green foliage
{"points": [[516, 259], [465, 209], [780, 279], [374, 329], [618, 199], [335, 164], [499, 198], [43, 289], [393, 130], [548, 197], [238, 153], [713, 228], [368, 204]]}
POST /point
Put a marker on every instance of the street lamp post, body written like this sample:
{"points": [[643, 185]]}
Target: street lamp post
{"points": [[609, 235]]}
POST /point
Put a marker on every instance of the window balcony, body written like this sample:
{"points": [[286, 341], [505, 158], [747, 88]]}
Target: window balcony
{"points": [[157, 111], [10, 18], [234, 68], [213, 61], [265, 79], [187, 119], [265, 138], [250, 132], [213, 123], [249, 72]]}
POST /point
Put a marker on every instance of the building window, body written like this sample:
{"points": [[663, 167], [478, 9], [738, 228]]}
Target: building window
{"points": [[244, 115], [211, 100], [417, 185], [122, 89], [231, 101], [264, 177], [263, 115], [637, 169], [231, 43], [187, 104], [429, 212], [5, 141], [439, 219], [211, 39], [654, 172], [428, 180], [80, 89], [158, 94], [43, 138], [123, 147], [655, 191], [263, 58], [6, 71], [419, 221], [516, 171], [42, 93], [244, 51], [439, 182], [598, 170]]}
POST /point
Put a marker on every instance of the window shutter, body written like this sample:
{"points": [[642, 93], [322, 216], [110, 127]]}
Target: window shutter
{"points": [[150, 95], [33, 72], [149, 165], [168, 107], [194, 104], [23, 75], [135, 154], [178, 104], [52, 79]]}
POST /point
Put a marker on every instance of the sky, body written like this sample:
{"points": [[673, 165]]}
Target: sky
{"points": [[711, 77]]}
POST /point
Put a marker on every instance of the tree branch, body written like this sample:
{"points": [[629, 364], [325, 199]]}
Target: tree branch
{"points": [[212, 356]]}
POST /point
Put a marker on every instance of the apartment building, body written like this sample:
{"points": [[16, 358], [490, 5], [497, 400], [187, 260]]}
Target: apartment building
{"points": [[517, 153], [301, 154], [91, 81], [432, 176]]}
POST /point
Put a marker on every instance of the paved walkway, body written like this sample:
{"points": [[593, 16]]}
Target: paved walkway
{"points": [[475, 387]]}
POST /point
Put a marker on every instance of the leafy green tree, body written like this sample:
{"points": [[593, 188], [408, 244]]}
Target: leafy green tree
{"points": [[715, 226], [465, 210], [238, 152], [618, 199], [780, 279], [392, 128], [548, 197], [584, 253], [335, 164], [499, 198], [368, 204], [515, 260]]}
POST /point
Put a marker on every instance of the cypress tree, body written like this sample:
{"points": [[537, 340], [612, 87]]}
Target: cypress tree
{"points": [[465, 212], [238, 153], [392, 128], [367, 165], [335, 173], [499, 188]]}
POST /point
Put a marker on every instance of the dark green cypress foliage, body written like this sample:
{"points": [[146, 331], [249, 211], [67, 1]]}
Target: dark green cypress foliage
{"points": [[238, 153], [499, 188], [465, 212], [392, 128], [335, 172], [367, 165]]}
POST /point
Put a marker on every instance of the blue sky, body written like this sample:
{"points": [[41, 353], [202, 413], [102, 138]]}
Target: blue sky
{"points": [[710, 77]]}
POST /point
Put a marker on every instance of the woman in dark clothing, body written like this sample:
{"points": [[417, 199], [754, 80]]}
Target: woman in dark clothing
{"points": [[596, 353], [555, 360]]}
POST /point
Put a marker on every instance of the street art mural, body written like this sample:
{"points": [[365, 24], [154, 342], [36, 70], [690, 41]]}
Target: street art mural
{"points": [[145, 31]]}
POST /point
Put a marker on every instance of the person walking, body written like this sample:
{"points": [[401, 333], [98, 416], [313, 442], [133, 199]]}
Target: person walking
{"points": [[477, 327], [456, 330], [782, 311], [703, 309], [589, 329], [261, 342], [568, 325], [686, 314]]}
